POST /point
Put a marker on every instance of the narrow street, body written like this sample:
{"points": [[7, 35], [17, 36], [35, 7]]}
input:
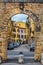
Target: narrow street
{"points": [[28, 56], [22, 48]]}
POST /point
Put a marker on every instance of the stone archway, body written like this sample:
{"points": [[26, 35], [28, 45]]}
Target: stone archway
{"points": [[34, 18], [10, 9]]}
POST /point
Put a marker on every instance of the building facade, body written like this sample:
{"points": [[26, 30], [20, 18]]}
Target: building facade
{"points": [[20, 31]]}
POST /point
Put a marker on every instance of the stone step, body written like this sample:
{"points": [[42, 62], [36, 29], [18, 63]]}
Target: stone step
{"points": [[16, 56]]}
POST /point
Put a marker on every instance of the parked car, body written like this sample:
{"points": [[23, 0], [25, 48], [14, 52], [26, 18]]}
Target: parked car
{"points": [[32, 47], [16, 44], [10, 46]]}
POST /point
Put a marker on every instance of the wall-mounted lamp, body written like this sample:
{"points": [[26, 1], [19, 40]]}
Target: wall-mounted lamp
{"points": [[21, 6]]}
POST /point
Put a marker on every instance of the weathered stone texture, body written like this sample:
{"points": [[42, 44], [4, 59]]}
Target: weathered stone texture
{"points": [[12, 8], [9, 9]]}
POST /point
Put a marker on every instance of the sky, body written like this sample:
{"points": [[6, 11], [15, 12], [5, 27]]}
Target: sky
{"points": [[19, 17]]}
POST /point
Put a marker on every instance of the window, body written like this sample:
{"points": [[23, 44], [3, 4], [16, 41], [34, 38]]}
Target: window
{"points": [[21, 36], [21, 31]]}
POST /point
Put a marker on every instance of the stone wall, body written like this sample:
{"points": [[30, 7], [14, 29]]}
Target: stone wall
{"points": [[7, 10]]}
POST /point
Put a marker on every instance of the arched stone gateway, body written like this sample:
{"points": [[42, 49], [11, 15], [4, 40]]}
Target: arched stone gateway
{"points": [[7, 10]]}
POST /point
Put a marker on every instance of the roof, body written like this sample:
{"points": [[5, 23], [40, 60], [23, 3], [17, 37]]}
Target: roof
{"points": [[20, 24]]}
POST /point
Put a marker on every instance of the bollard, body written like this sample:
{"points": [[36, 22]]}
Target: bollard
{"points": [[21, 58], [42, 58]]}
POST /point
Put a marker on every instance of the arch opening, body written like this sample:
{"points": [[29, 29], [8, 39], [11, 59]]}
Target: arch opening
{"points": [[21, 25]]}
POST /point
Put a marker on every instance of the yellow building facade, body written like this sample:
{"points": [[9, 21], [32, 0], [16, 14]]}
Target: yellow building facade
{"points": [[20, 31]]}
